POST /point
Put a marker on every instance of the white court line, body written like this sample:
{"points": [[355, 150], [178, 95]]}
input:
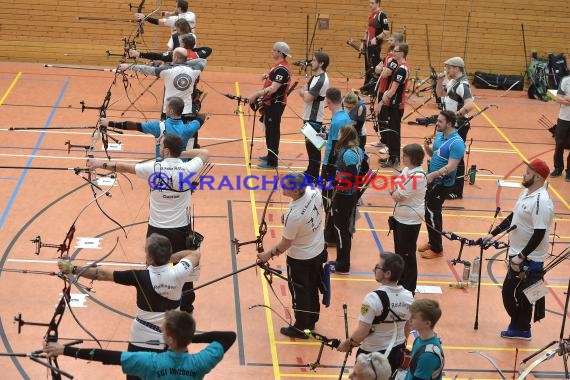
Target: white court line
{"points": [[103, 263]]}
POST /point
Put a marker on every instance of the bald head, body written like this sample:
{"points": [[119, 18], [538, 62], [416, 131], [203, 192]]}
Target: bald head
{"points": [[179, 55]]}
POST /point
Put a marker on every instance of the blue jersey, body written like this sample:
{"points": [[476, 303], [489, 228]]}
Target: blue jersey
{"points": [[172, 365], [427, 358], [445, 148], [173, 127], [338, 120], [346, 158]]}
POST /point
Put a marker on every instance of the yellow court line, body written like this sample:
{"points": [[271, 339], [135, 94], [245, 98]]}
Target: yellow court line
{"points": [[10, 88], [460, 233], [270, 328], [429, 282], [551, 187]]}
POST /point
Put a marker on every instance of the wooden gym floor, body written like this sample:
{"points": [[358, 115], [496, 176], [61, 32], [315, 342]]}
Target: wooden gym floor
{"points": [[46, 202]]}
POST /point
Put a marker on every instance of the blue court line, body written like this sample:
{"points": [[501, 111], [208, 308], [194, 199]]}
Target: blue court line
{"points": [[374, 233], [29, 163]]}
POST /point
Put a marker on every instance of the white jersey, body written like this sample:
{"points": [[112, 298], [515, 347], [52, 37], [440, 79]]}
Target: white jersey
{"points": [[532, 211], [179, 80], [317, 87], [411, 209], [159, 289], [169, 208], [564, 89], [303, 224], [382, 333]]}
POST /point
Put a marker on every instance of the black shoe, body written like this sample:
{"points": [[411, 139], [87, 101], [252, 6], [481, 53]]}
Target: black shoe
{"points": [[567, 178], [293, 332], [556, 173], [389, 162], [452, 196]]}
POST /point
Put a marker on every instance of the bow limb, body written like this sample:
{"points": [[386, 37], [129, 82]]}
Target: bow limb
{"points": [[547, 355], [493, 363], [277, 314], [74, 279]]}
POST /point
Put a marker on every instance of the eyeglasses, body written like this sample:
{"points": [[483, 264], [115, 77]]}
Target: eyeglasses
{"points": [[379, 267], [397, 51]]}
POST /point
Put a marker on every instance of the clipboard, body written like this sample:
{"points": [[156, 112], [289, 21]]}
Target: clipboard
{"points": [[312, 136]]}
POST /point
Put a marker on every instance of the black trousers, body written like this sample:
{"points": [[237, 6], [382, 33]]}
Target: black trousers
{"points": [[362, 142], [371, 59], [395, 357], [272, 121], [313, 153], [393, 137], [177, 237], [133, 348], [383, 115], [306, 276], [405, 245], [460, 174], [329, 232], [344, 208], [515, 302], [435, 196], [562, 139]]}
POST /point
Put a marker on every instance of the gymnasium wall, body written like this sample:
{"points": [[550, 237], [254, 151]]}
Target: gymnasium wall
{"points": [[241, 33]]}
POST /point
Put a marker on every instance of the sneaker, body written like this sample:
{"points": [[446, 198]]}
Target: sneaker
{"points": [[378, 144], [293, 332], [424, 247], [383, 150], [429, 254], [263, 158], [266, 165], [453, 196], [556, 173], [516, 334]]}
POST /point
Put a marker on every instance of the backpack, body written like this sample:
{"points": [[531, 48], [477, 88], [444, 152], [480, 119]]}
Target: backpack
{"points": [[538, 75], [558, 69]]}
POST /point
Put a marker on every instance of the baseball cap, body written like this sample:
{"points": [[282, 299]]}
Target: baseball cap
{"points": [[455, 61], [539, 166], [282, 47]]}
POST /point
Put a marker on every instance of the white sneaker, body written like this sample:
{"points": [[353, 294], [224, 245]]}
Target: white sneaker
{"points": [[383, 150], [378, 144]]}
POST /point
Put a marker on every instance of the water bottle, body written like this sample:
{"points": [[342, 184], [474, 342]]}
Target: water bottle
{"points": [[475, 271], [472, 174], [466, 271]]}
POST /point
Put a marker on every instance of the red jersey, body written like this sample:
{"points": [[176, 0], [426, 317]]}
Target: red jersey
{"points": [[280, 73], [389, 60]]}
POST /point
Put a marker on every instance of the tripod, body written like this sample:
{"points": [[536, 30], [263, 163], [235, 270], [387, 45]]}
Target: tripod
{"points": [[561, 350]]}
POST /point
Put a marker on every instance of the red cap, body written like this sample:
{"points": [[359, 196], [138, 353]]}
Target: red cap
{"points": [[540, 167]]}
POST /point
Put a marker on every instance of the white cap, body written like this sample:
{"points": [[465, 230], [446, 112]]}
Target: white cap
{"points": [[282, 48]]}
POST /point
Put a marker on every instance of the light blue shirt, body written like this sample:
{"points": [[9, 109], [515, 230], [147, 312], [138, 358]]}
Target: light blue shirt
{"points": [[445, 148], [173, 127], [338, 120], [172, 365]]}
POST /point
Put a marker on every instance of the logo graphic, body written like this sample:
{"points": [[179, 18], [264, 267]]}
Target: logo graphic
{"points": [[182, 82], [158, 181]]}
